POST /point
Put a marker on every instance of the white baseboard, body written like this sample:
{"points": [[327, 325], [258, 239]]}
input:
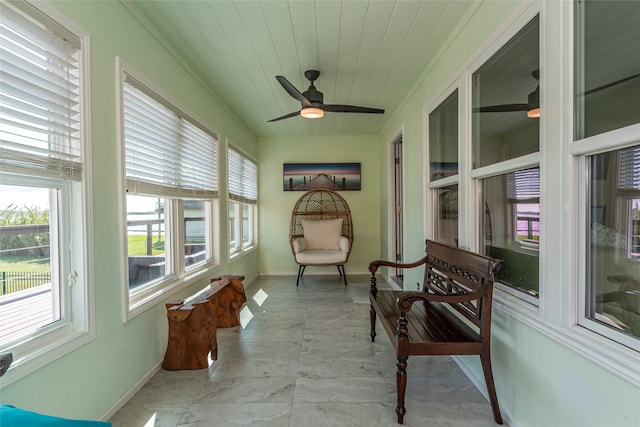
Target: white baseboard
{"points": [[131, 392], [313, 273]]}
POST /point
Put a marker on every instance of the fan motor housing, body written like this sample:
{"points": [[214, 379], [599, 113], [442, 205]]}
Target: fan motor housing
{"points": [[313, 95]]}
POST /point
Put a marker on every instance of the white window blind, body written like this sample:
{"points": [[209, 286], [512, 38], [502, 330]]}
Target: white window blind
{"points": [[39, 98], [165, 152], [243, 178], [524, 185], [629, 167]]}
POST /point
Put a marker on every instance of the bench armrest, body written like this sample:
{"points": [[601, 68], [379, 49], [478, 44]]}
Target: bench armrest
{"points": [[374, 265], [298, 244], [408, 298]]}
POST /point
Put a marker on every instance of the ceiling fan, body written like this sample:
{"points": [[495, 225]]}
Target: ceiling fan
{"points": [[312, 101], [532, 107]]}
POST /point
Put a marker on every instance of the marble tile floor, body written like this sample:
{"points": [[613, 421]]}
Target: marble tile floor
{"points": [[303, 358]]}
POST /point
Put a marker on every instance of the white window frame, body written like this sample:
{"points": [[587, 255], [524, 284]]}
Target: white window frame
{"points": [[431, 201], [248, 198], [617, 352], [74, 233], [515, 301], [179, 277], [614, 350], [511, 301]]}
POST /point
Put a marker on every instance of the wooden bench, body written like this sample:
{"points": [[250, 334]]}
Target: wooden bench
{"points": [[450, 316], [193, 323]]}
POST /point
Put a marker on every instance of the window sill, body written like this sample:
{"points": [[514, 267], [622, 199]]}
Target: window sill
{"points": [[616, 358], [237, 255], [161, 293]]}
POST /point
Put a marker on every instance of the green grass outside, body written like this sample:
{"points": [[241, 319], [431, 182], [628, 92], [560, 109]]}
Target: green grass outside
{"points": [[137, 247], [24, 264]]}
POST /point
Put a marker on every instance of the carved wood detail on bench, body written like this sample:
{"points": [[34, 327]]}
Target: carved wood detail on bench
{"points": [[456, 283], [193, 323]]}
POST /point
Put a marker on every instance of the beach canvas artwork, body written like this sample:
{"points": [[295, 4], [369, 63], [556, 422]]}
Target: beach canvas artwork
{"points": [[309, 176]]}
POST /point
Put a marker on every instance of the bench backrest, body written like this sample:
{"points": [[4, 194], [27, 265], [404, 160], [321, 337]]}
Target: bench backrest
{"points": [[453, 271]]}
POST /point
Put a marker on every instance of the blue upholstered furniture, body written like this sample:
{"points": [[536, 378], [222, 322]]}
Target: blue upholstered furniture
{"points": [[11, 416]]}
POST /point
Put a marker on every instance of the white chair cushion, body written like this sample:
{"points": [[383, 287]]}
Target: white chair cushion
{"points": [[299, 245], [323, 234], [321, 257], [344, 244]]}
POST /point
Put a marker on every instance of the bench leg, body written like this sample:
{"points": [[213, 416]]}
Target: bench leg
{"points": [[401, 386], [485, 359], [372, 316], [300, 273]]}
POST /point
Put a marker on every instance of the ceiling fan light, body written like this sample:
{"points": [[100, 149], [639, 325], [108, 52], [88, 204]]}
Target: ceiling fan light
{"points": [[312, 113], [533, 100]]}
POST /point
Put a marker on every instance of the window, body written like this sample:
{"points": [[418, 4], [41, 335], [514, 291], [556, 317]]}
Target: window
{"points": [[171, 188], [607, 125], [511, 227], [443, 167], [505, 145], [443, 139], [607, 73], [614, 263], [446, 229], [45, 269], [243, 200]]}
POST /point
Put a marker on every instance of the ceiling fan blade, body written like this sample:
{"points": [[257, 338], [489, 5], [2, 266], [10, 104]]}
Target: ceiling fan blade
{"points": [[286, 116], [506, 108], [291, 90], [617, 82], [337, 108]]}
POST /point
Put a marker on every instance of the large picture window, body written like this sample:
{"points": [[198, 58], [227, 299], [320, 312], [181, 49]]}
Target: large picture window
{"points": [[607, 143], [505, 142], [171, 188], [44, 265]]}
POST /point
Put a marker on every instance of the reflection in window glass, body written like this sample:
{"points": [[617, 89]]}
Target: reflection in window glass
{"points": [[443, 139], [607, 66], [446, 229], [146, 239], [195, 230], [614, 262], [511, 226], [505, 100]]}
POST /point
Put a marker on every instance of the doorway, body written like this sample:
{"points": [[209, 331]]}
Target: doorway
{"points": [[398, 208]]}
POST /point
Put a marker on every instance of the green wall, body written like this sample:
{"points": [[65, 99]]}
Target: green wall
{"points": [[87, 382], [276, 204]]}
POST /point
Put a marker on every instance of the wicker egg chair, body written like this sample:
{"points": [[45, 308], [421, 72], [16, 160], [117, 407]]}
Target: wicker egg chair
{"points": [[321, 231]]}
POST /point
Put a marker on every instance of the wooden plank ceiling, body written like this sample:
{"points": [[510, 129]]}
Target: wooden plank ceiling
{"points": [[369, 53]]}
